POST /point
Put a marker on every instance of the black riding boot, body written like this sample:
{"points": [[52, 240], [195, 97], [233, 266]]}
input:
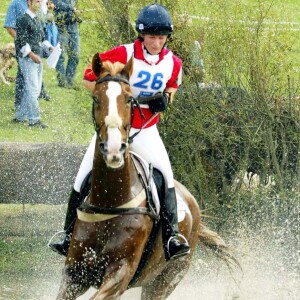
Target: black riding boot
{"points": [[173, 247], [62, 247]]}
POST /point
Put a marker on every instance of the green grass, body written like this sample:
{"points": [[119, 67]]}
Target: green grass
{"points": [[68, 113], [25, 260]]}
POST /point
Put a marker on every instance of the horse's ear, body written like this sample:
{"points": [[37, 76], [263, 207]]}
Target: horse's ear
{"points": [[97, 64], [127, 71]]}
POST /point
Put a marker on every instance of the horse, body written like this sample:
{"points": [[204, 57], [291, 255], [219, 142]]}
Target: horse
{"points": [[108, 243]]}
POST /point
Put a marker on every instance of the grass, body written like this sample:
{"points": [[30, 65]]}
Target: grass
{"points": [[25, 260], [68, 113]]}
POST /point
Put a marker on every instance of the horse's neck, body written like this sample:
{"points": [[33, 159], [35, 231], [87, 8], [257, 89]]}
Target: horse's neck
{"points": [[111, 188]]}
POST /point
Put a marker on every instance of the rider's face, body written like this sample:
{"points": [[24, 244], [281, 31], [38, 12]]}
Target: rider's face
{"points": [[154, 43]]}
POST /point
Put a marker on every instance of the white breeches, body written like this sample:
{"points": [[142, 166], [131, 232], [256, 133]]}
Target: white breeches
{"points": [[147, 144]]}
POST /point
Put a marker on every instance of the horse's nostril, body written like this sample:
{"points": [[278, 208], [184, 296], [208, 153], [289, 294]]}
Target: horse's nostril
{"points": [[123, 147], [115, 158]]}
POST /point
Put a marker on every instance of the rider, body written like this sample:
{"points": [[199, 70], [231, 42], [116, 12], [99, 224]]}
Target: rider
{"points": [[156, 71]]}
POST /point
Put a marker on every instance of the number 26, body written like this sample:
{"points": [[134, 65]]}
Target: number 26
{"points": [[155, 82]]}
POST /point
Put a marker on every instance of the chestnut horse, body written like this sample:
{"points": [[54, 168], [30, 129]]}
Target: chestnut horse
{"points": [[107, 247]]}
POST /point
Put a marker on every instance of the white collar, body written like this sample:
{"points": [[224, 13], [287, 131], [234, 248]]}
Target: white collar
{"points": [[151, 58], [30, 13]]}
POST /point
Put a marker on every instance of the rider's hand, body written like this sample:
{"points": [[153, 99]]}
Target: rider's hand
{"points": [[160, 103]]}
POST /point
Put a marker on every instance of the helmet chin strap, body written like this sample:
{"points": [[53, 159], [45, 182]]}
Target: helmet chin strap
{"points": [[150, 52]]}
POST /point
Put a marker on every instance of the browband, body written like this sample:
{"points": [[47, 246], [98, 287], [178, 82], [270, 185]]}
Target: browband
{"points": [[111, 78]]}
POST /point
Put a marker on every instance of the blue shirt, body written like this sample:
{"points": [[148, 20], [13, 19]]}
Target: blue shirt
{"points": [[15, 10]]}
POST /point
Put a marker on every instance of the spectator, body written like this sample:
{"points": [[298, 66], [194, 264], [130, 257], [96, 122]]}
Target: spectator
{"points": [[16, 9], [46, 15], [67, 20], [30, 42], [51, 28], [197, 63]]}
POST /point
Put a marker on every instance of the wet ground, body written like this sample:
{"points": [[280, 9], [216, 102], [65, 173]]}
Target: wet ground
{"points": [[270, 259]]}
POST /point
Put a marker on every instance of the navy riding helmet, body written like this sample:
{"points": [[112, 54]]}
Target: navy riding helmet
{"points": [[154, 19]]}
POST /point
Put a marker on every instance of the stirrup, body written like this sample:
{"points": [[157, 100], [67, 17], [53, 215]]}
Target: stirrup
{"points": [[183, 237], [61, 247], [55, 234], [175, 236], [180, 254]]}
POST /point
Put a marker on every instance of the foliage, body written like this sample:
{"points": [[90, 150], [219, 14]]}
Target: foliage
{"points": [[247, 117]]}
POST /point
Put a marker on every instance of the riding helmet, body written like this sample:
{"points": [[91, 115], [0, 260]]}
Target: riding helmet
{"points": [[154, 19]]}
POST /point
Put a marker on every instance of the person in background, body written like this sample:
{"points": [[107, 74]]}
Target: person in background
{"points": [[47, 17], [30, 42], [16, 9], [67, 19], [51, 28], [156, 71]]}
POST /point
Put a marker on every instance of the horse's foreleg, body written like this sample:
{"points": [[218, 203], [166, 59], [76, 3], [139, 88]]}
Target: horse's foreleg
{"points": [[69, 289], [115, 282], [165, 283]]}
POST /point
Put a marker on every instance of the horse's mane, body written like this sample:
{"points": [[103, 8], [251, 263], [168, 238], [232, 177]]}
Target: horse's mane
{"points": [[112, 69]]}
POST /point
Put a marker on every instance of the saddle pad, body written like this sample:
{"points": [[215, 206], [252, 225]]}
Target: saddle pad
{"points": [[145, 165], [182, 208]]}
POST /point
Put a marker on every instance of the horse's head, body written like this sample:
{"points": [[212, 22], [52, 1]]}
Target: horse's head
{"points": [[112, 109]]}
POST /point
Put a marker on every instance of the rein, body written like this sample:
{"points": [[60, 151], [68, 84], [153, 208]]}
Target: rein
{"points": [[91, 213]]}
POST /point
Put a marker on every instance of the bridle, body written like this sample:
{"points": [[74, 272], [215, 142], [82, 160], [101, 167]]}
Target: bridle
{"points": [[132, 207], [131, 100]]}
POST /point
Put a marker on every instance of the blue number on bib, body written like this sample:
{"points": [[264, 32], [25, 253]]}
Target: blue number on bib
{"points": [[155, 83], [146, 76]]}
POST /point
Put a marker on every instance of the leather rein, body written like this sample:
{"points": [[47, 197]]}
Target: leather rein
{"points": [[91, 213]]}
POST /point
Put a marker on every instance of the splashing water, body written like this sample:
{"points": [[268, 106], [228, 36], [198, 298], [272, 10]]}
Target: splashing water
{"points": [[269, 257]]}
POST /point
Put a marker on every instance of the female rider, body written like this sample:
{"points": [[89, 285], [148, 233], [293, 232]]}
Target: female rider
{"points": [[156, 71]]}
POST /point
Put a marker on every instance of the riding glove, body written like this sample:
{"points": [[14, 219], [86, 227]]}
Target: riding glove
{"points": [[159, 103]]}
